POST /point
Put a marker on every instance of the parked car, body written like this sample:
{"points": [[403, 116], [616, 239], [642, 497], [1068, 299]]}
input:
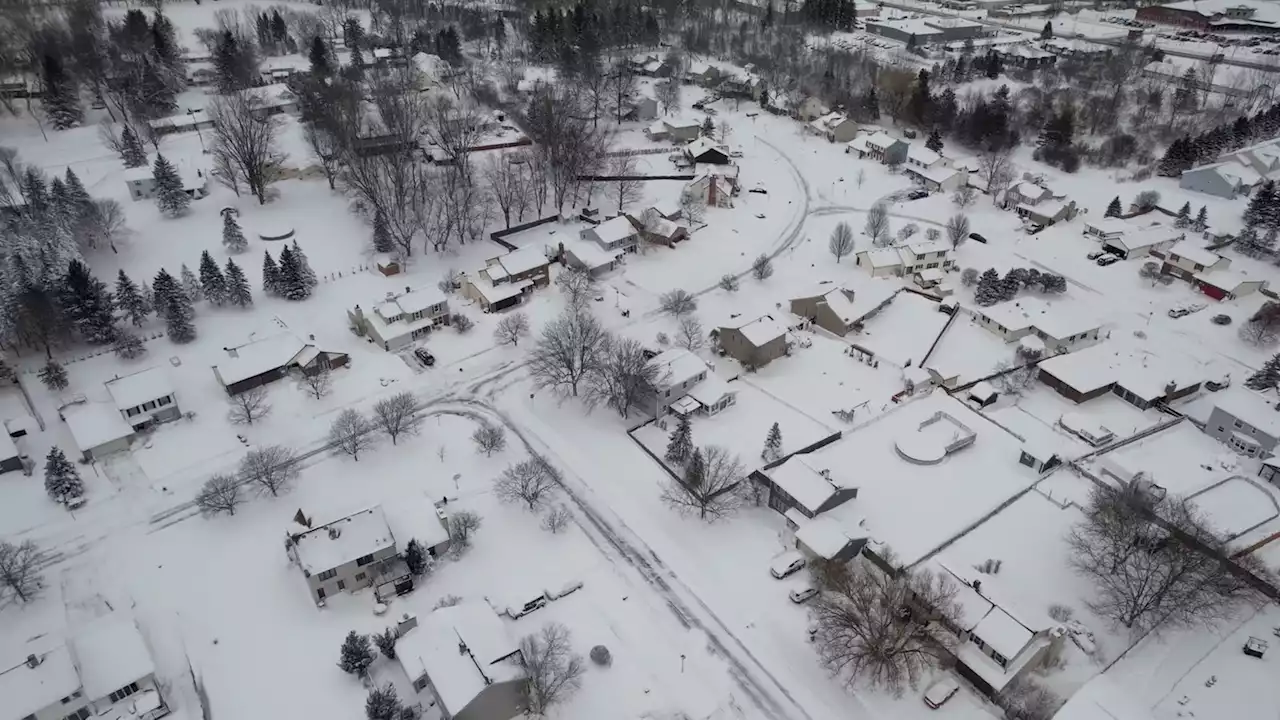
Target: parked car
{"points": [[917, 194], [1107, 259], [979, 238], [803, 594], [1184, 309], [735, 154], [940, 692], [424, 357], [1221, 383], [786, 564], [1096, 254], [1221, 319]]}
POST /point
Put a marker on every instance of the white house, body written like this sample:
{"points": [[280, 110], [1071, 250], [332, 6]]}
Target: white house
{"points": [[705, 150], [272, 99], [1227, 284], [931, 170], [145, 398], [102, 669], [835, 127], [1061, 325], [677, 130], [588, 256], [685, 385], [401, 318], [1107, 228], [612, 235], [98, 429], [879, 146], [141, 181], [880, 262], [1186, 260], [924, 255], [341, 555], [1227, 179], [711, 189], [268, 359], [1154, 240]]}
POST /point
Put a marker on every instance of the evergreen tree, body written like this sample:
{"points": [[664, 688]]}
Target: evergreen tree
{"points": [[1179, 156], [1113, 208], [131, 150], [191, 286], [293, 281], [54, 376], [61, 95], [1184, 216], [356, 657], [86, 304], [386, 641], [60, 206], [128, 346], [989, 290], [320, 65], [356, 64], [279, 31], [80, 204], [270, 274], [1267, 377], [172, 303], [934, 142], [304, 266], [1201, 223], [696, 471], [238, 292], [212, 282], [871, 104], [382, 703], [232, 236], [381, 238], [415, 557], [170, 196], [1047, 32], [61, 479], [680, 447], [772, 445], [35, 192], [920, 99], [133, 304], [1262, 206]]}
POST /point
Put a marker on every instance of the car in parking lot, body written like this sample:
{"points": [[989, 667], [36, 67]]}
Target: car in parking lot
{"points": [[1107, 259], [940, 692], [917, 194], [424, 357], [786, 564], [803, 594]]}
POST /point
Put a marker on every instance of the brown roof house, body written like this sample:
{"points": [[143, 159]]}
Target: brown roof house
{"points": [[755, 343]]}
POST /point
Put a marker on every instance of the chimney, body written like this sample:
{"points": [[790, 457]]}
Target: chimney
{"points": [[462, 648], [390, 296], [233, 352], [406, 623], [335, 533], [977, 586], [33, 661]]}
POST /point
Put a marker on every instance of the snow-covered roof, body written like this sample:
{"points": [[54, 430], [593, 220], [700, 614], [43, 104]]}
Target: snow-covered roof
{"points": [[415, 516], [1233, 171], [381, 53], [808, 480], [260, 356], [924, 247], [882, 140], [1102, 698], [615, 230], [982, 392], [681, 123], [497, 293], [660, 226], [1031, 191], [181, 121], [1149, 237], [882, 257], [522, 260], [936, 174], [27, 690], [1195, 253], [415, 301], [676, 366], [1110, 226], [430, 65], [711, 390], [341, 541], [1135, 368], [1250, 407], [273, 95], [1059, 320], [436, 649], [110, 654], [697, 148], [95, 424], [1228, 280], [761, 331], [859, 143], [658, 128], [986, 611], [826, 535], [867, 297], [192, 175], [141, 387], [921, 154], [589, 253]]}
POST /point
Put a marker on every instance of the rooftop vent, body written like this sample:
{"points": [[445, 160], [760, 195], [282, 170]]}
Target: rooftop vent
{"points": [[33, 660], [335, 533]]}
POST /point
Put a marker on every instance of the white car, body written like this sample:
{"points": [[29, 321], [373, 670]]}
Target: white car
{"points": [[786, 564], [940, 692], [803, 594]]}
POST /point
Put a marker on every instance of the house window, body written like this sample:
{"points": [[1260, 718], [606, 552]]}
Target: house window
{"points": [[1238, 424], [1000, 659], [360, 577], [80, 714], [149, 405], [132, 411], [342, 584], [164, 401], [320, 593], [124, 692], [326, 575], [365, 560], [977, 641]]}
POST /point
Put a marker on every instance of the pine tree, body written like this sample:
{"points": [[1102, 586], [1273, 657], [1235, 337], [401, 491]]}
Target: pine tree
{"points": [[128, 346], [1179, 156], [695, 472], [989, 290], [383, 703], [1201, 223], [60, 205], [356, 656], [1047, 32], [1267, 377], [386, 642], [320, 65], [232, 236], [87, 305], [381, 238], [35, 192], [304, 266], [212, 282], [270, 274], [172, 303], [772, 445], [129, 301], [1184, 216], [54, 376], [238, 292], [170, 196], [80, 204], [61, 479], [681, 444], [191, 286], [293, 282], [61, 95], [1113, 209], [131, 150], [1261, 205], [415, 557], [934, 142]]}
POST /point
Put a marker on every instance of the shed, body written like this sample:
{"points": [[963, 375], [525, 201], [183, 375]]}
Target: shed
{"points": [[97, 429]]}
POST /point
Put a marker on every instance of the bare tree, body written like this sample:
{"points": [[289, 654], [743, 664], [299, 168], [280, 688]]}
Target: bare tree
{"points": [[489, 438], [1025, 699], [453, 126], [511, 329], [577, 286], [762, 267], [317, 384], [248, 406], [622, 376], [712, 492], [104, 224], [532, 482], [246, 140], [667, 93], [569, 145], [552, 670], [623, 185], [568, 351], [220, 494], [1013, 378], [397, 415], [877, 628], [678, 302], [556, 519], [995, 165], [877, 222], [690, 335], [693, 207], [958, 230], [462, 525], [273, 468], [841, 243], [20, 576], [504, 175], [622, 85], [351, 433]]}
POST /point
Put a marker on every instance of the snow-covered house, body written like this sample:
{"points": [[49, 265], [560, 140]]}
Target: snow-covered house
{"points": [[141, 181], [1187, 259], [465, 662], [755, 343], [713, 190], [431, 69], [616, 234], [685, 385], [808, 109], [103, 669], [842, 310], [507, 279], [658, 230], [1062, 326], [704, 74], [1263, 157], [804, 484], [642, 109], [10, 457], [1245, 421], [1108, 228], [835, 127], [401, 318], [272, 99], [923, 254], [677, 130], [1045, 214], [829, 539], [264, 361], [1154, 240], [343, 554], [937, 178], [1027, 193], [705, 150], [880, 262], [1227, 179], [182, 122], [588, 256], [879, 146], [145, 398], [1132, 373], [1227, 284], [97, 429]]}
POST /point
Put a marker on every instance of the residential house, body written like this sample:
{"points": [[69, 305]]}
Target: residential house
{"points": [[145, 398], [705, 150], [1130, 372], [804, 484], [401, 318], [431, 70], [755, 343], [1263, 157], [1227, 284], [843, 310], [829, 539], [642, 109], [464, 661], [656, 68], [1026, 193], [264, 361], [1187, 259], [616, 234], [201, 74], [142, 182], [682, 131], [1025, 56], [1047, 213], [589, 257], [710, 189], [1229, 179], [658, 230], [743, 86], [97, 429], [924, 254], [1108, 228], [685, 385], [880, 262], [343, 554], [879, 146], [102, 669], [933, 171], [272, 99], [835, 127], [1246, 421], [703, 74], [1269, 470], [507, 279], [1062, 326], [183, 122], [807, 110], [10, 457], [1154, 240], [919, 156]]}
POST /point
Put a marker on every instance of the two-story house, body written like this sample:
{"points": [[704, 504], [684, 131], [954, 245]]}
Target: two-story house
{"points": [[401, 318], [341, 555], [754, 344], [925, 255], [507, 279], [614, 234], [835, 127], [842, 310], [1186, 260], [879, 146], [1245, 421], [145, 398], [685, 385]]}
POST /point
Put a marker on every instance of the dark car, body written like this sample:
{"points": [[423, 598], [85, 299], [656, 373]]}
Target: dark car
{"points": [[979, 238], [917, 194], [424, 357]]}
